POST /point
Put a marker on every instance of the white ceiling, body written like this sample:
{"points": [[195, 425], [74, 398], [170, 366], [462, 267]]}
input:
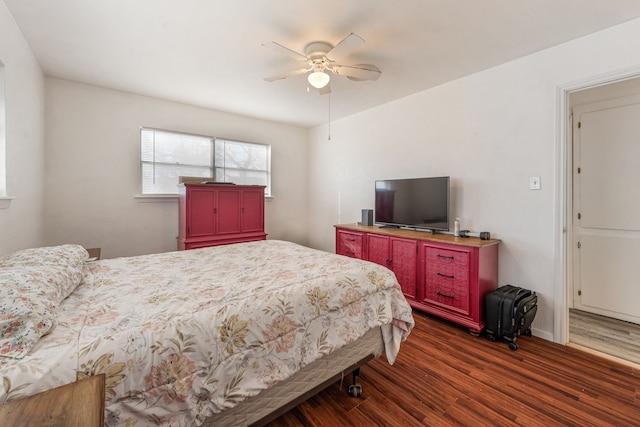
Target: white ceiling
{"points": [[208, 52]]}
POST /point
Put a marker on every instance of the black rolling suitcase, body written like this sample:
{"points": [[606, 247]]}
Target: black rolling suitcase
{"points": [[509, 312]]}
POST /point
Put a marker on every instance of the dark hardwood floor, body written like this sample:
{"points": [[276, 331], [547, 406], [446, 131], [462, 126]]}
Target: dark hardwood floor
{"points": [[444, 376]]}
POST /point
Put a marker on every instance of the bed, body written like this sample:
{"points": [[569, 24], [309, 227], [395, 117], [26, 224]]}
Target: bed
{"points": [[226, 335]]}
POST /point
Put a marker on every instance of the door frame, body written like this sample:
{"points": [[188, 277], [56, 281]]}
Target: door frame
{"points": [[563, 265]]}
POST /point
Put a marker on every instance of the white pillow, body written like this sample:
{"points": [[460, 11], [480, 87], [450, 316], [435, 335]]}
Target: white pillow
{"points": [[69, 258], [29, 299]]}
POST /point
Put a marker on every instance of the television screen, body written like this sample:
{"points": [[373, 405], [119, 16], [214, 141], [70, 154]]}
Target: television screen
{"points": [[414, 203]]}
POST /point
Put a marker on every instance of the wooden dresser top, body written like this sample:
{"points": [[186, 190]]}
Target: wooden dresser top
{"points": [[420, 235]]}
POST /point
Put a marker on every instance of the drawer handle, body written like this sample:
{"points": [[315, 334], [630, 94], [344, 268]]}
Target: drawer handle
{"points": [[350, 239], [445, 275], [445, 256], [349, 252], [445, 295]]}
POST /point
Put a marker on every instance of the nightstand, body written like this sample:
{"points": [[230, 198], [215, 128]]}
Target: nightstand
{"points": [[76, 404], [94, 253]]}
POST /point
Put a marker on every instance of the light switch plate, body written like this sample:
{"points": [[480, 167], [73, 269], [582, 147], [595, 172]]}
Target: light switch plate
{"points": [[534, 183]]}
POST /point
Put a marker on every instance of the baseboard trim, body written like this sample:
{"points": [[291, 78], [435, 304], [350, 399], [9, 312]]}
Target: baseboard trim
{"points": [[542, 334]]}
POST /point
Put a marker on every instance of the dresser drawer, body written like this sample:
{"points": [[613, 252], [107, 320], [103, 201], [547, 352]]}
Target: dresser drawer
{"points": [[349, 244], [447, 279], [442, 256], [448, 287]]}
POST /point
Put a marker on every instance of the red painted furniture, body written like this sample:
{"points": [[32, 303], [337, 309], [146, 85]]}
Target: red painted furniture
{"points": [[440, 274], [211, 215], [400, 256]]}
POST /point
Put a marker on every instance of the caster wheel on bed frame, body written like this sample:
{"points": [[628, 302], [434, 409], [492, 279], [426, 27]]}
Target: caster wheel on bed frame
{"points": [[355, 390]]}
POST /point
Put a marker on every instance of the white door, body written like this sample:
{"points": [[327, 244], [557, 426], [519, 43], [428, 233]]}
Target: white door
{"points": [[606, 208]]}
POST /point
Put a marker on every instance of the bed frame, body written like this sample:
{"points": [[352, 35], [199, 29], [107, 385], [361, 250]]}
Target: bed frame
{"points": [[315, 377]]}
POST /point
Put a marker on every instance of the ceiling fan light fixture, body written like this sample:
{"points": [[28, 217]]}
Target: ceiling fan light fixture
{"points": [[318, 79]]}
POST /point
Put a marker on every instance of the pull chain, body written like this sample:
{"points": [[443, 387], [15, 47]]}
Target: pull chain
{"points": [[329, 124]]}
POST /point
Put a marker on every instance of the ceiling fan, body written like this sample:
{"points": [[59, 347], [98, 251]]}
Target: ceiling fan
{"points": [[320, 57]]}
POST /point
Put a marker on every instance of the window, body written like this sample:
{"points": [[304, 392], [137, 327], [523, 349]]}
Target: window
{"points": [[3, 172], [166, 155], [243, 163]]}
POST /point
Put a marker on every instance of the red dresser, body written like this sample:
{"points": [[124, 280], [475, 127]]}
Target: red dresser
{"points": [[440, 274]]}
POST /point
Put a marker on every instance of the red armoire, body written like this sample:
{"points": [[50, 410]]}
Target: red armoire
{"points": [[219, 214]]}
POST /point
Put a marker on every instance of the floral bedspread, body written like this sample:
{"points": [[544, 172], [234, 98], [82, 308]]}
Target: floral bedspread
{"points": [[183, 335]]}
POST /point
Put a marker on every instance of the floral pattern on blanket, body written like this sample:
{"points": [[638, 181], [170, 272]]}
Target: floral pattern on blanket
{"points": [[183, 335]]}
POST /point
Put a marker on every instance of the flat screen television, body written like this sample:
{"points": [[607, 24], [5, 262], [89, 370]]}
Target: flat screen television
{"points": [[421, 203]]}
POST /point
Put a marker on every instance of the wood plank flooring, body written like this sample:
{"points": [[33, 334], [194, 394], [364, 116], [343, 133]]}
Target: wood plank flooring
{"points": [[606, 335], [446, 377]]}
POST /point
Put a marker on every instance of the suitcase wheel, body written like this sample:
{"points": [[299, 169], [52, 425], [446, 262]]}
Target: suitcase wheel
{"points": [[355, 390], [527, 332], [491, 337], [513, 346]]}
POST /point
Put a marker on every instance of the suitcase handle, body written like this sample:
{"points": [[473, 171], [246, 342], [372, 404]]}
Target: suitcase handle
{"points": [[445, 275], [444, 295]]}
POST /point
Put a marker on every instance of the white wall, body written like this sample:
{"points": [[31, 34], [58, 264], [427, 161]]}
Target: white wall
{"points": [[490, 132], [21, 224], [92, 168]]}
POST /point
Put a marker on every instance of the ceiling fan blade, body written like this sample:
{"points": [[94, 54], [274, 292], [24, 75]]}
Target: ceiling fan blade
{"points": [[287, 74], [348, 44], [357, 72], [285, 50]]}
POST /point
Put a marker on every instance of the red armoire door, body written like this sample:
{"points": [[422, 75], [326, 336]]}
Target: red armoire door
{"points": [[253, 210], [228, 211], [200, 209]]}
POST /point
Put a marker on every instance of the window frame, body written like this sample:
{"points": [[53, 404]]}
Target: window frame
{"points": [[212, 161], [3, 128], [5, 199]]}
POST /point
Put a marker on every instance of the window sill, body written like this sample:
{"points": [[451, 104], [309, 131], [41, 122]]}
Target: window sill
{"points": [[163, 198], [5, 202], [156, 198]]}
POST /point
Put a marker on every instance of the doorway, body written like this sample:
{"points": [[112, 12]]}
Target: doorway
{"points": [[603, 214]]}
